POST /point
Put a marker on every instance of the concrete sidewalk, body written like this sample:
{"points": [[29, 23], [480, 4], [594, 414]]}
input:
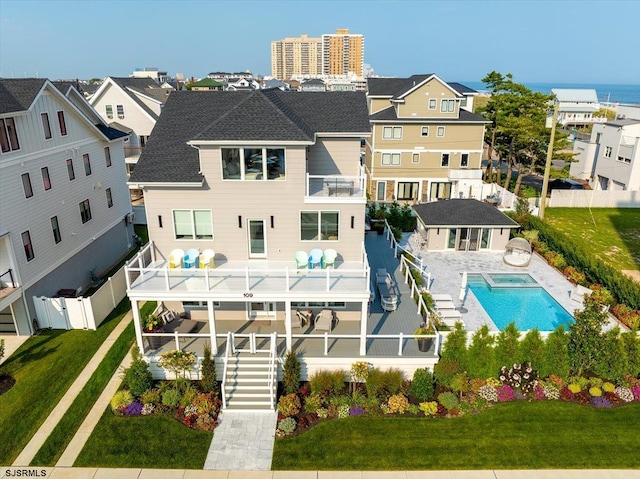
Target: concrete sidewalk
{"points": [[32, 448], [102, 473]]}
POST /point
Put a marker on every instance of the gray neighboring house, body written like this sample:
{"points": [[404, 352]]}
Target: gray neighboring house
{"points": [[463, 225], [64, 201]]}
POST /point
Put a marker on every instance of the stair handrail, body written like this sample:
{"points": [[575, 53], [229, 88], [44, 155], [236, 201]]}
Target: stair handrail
{"points": [[272, 368], [225, 359]]}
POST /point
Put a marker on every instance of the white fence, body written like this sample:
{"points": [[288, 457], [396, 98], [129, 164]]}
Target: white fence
{"points": [[594, 199], [507, 200], [82, 312]]}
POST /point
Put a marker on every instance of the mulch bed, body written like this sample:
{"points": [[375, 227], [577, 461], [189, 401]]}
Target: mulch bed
{"points": [[6, 383]]}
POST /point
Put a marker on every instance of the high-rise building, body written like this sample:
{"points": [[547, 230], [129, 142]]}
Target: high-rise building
{"points": [[296, 56], [342, 52]]}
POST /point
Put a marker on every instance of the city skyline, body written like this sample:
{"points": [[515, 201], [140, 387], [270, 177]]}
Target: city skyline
{"points": [[538, 41]]}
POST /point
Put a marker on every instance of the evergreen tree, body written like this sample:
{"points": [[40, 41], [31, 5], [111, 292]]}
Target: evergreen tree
{"points": [[532, 349], [585, 336], [612, 361], [480, 355], [507, 346], [137, 376], [632, 348], [291, 373], [208, 381], [556, 354], [455, 346]]}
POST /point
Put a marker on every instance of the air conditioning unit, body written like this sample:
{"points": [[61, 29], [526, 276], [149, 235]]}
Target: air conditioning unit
{"points": [[130, 218]]}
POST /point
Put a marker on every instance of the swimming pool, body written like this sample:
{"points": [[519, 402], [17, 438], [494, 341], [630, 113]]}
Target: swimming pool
{"points": [[528, 304]]}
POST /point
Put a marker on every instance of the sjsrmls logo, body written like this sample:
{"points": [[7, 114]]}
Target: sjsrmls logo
{"points": [[25, 473]]}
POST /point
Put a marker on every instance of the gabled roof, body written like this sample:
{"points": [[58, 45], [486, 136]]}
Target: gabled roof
{"points": [[245, 116], [462, 212], [389, 114], [133, 87], [17, 95], [395, 88], [575, 95], [64, 86], [110, 132]]}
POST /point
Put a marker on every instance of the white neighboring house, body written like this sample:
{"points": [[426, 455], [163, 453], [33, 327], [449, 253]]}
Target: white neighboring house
{"points": [[610, 160], [132, 105], [576, 107], [64, 201]]}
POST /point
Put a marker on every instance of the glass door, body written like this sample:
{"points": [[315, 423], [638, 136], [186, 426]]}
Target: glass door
{"points": [[257, 239], [474, 244], [256, 310], [463, 239]]}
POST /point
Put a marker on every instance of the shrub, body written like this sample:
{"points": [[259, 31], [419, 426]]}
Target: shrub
{"points": [[476, 383], [429, 408], [595, 391], [608, 387], [611, 360], [507, 345], [397, 233], [417, 277], [480, 355], [574, 388], [551, 391], [585, 336], [532, 348], [287, 425], [205, 403], [382, 384], [555, 259], [291, 373], [120, 401], [137, 376], [455, 347], [632, 349], [422, 384], [133, 409], [627, 316], [398, 403], [188, 395], [171, 397], [488, 393], [600, 402], [206, 422], [601, 295], [575, 276], [312, 403], [208, 381], [178, 362], [597, 382], [625, 394], [289, 405], [505, 393], [152, 396], [448, 400], [328, 382], [445, 371]]}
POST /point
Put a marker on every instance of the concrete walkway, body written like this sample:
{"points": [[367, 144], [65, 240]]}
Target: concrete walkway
{"points": [[11, 344], [32, 448], [243, 441], [101, 473]]}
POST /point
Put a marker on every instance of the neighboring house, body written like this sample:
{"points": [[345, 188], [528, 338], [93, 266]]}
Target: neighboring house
{"points": [[207, 84], [151, 72], [463, 225], [64, 201], [610, 159], [425, 145], [237, 84], [224, 76], [576, 107], [255, 177], [273, 83], [133, 105], [314, 84]]}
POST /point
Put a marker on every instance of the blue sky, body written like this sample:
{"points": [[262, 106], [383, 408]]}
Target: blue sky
{"points": [[537, 41]]}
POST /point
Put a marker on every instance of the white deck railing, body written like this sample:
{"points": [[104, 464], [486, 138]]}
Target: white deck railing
{"points": [[225, 358], [336, 186]]}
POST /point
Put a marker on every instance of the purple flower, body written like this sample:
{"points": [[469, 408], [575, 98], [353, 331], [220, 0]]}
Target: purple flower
{"points": [[505, 393], [133, 409], [600, 401], [356, 411], [636, 392]]}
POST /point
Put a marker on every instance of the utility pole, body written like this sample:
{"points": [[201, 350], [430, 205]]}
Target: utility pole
{"points": [[547, 166]]}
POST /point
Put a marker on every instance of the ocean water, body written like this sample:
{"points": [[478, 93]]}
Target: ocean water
{"points": [[607, 92]]}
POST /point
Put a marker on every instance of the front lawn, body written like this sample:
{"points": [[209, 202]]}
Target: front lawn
{"points": [[144, 441], [614, 238], [516, 435], [44, 367]]}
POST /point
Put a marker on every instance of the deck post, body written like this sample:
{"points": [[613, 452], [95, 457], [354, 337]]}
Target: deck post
{"points": [[363, 328], [177, 339], [287, 322], [326, 344], [166, 278], [135, 310], [400, 341], [212, 327]]}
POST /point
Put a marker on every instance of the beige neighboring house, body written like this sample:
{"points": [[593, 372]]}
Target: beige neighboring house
{"points": [[426, 143]]}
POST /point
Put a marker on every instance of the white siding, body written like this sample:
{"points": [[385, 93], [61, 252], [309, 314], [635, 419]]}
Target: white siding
{"points": [[333, 156], [134, 117]]}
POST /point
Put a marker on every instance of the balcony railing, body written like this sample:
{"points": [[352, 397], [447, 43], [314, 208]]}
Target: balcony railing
{"points": [[132, 151], [465, 174], [336, 187], [7, 275]]}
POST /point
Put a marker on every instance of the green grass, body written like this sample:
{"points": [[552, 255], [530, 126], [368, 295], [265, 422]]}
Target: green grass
{"points": [[518, 435], [614, 238], [44, 367], [144, 441]]}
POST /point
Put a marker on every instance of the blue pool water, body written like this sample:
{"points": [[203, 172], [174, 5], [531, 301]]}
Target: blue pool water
{"points": [[528, 306]]}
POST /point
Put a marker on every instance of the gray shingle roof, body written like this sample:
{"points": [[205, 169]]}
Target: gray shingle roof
{"points": [[460, 88], [389, 114], [17, 95], [462, 212], [395, 87], [262, 115]]}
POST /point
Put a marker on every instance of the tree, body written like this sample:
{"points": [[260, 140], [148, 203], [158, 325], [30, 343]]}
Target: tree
{"points": [[585, 336], [455, 346], [612, 362], [137, 376], [507, 345], [556, 354], [291, 373], [208, 381], [480, 355], [632, 348], [532, 349]]}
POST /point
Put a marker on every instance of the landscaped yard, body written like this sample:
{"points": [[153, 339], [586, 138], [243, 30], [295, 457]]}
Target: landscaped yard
{"points": [[44, 367], [611, 234], [517, 435]]}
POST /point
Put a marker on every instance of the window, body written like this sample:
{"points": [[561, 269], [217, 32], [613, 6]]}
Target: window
{"points": [[447, 106], [109, 197], [319, 225], [72, 174], [28, 247], [415, 158], [253, 164], [193, 224], [109, 111], [318, 304], [425, 131], [392, 132], [107, 156], [407, 191], [120, 110], [464, 160], [62, 123], [87, 164], [624, 160], [85, 211], [451, 241], [440, 131], [46, 181], [391, 158], [440, 191], [381, 188], [463, 101], [8, 135], [26, 185], [485, 239], [607, 152], [45, 125], [444, 160], [55, 228], [433, 103]]}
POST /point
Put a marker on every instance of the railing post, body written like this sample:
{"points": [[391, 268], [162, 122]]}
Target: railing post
{"points": [[288, 282], [326, 344], [126, 278], [166, 279], [232, 339], [437, 346], [175, 334], [252, 343], [307, 185], [429, 281], [400, 340], [207, 283], [246, 276], [328, 280]]}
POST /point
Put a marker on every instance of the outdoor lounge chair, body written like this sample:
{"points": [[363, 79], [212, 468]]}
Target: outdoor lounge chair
{"points": [[304, 317], [329, 258], [579, 292], [324, 320], [388, 297], [441, 297], [206, 258], [444, 305], [449, 313], [302, 259], [315, 258], [175, 258], [191, 258]]}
